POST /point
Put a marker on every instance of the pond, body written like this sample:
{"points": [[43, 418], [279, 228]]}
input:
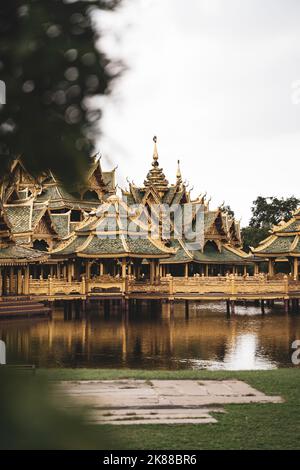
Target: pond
{"points": [[154, 338]]}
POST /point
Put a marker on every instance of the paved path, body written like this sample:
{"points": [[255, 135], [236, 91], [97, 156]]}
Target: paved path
{"points": [[160, 401]]}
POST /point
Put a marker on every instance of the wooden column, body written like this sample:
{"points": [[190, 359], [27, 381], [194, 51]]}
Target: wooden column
{"points": [[26, 281], [69, 272], [186, 270], [245, 270], [271, 267], [58, 270], [19, 281], [157, 273], [123, 268], [11, 279], [101, 269], [296, 269], [206, 270], [129, 268], [152, 271], [1, 282], [88, 270], [256, 269]]}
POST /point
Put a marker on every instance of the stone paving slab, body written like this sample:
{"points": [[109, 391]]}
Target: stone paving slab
{"points": [[160, 401]]}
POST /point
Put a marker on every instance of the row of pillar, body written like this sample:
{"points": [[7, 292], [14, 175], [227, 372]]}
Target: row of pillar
{"points": [[271, 268], [14, 280]]}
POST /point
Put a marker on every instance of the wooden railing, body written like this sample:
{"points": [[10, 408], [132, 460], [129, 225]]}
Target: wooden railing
{"points": [[134, 287], [172, 286], [52, 287], [230, 285]]}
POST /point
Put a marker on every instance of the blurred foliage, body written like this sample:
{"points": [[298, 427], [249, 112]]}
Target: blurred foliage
{"points": [[52, 70], [267, 212], [32, 418]]}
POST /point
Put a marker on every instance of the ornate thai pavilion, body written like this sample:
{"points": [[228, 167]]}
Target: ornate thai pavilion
{"points": [[111, 241], [41, 211], [75, 227], [221, 251], [282, 248], [15, 260]]}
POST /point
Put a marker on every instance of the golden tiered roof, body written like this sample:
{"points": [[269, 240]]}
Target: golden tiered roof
{"points": [[155, 177], [283, 241]]}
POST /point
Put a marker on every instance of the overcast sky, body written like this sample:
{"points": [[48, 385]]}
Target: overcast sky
{"points": [[216, 81]]}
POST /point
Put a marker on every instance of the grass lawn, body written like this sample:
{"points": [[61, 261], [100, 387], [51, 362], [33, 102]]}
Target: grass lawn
{"points": [[254, 426]]}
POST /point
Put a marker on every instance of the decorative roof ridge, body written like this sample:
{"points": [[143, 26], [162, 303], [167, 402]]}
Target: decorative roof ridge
{"points": [[295, 243], [84, 244], [161, 246], [285, 234], [63, 214], [282, 226], [121, 228], [87, 221], [27, 202], [264, 244], [37, 204], [18, 160], [65, 243], [42, 212], [47, 213], [183, 246], [153, 191], [236, 250]]}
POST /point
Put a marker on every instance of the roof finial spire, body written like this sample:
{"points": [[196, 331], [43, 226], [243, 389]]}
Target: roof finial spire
{"points": [[155, 152], [178, 173], [155, 176]]}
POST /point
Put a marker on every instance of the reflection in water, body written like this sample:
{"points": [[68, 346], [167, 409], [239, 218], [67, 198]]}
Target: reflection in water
{"points": [[149, 338]]}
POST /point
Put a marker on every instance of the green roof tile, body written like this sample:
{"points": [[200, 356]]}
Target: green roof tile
{"points": [[279, 245], [61, 224], [19, 218], [104, 246]]}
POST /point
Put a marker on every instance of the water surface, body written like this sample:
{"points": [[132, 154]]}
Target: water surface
{"points": [[153, 338]]}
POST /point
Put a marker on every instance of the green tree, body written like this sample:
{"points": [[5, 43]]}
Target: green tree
{"points": [[52, 70], [267, 212], [252, 236]]}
